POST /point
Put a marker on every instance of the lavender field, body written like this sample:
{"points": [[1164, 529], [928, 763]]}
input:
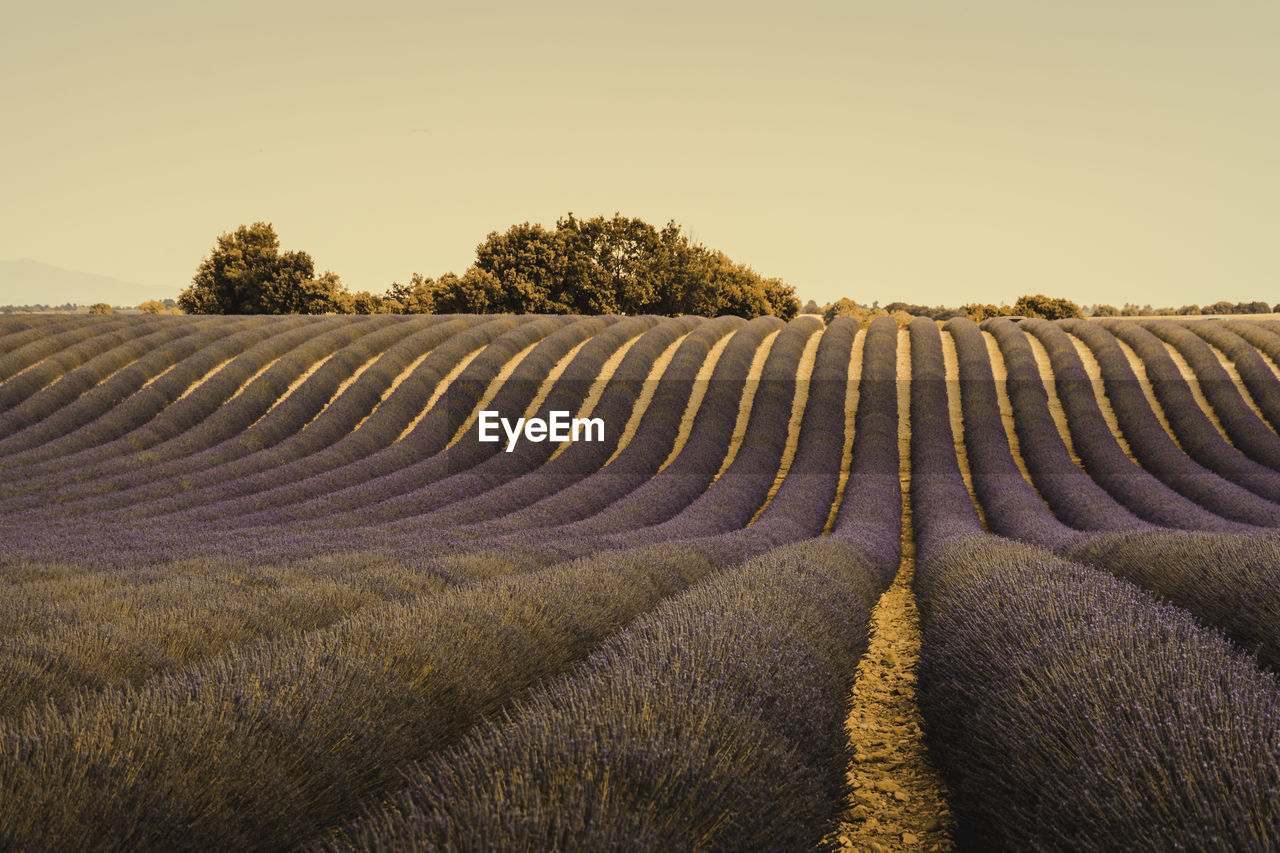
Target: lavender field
{"points": [[263, 586]]}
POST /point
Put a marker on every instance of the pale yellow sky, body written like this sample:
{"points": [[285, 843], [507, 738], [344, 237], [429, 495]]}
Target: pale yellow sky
{"points": [[931, 151]]}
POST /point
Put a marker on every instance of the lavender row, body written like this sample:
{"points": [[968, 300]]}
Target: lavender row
{"points": [[277, 741], [336, 420], [101, 399], [285, 418], [870, 511], [579, 460], [1254, 370], [1145, 495], [233, 418], [469, 479], [178, 481], [716, 722], [803, 500], [1151, 444], [18, 332], [54, 354], [1196, 434], [62, 377], [325, 448], [1078, 499], [1012, 506], [643, 455], [670, 490], [739, 491], [703, 518], [1221, 579], [802, 503], [1246, 430], [65, 634], [204, 403], [1070, 710], [83, 394], [418, 470], [936, 481], [144, 419], [363, 453]]}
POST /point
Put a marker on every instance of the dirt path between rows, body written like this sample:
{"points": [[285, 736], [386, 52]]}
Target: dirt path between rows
{"points": [[898, 799]]}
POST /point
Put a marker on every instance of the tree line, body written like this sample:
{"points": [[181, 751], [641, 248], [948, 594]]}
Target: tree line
{"points": [[618, 265], [1037, 305]]}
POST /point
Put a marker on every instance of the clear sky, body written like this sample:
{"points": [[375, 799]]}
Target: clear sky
{"points": [[930, 151]]}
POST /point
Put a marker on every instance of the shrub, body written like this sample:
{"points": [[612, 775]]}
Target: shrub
{"points": [[1071, 711]]}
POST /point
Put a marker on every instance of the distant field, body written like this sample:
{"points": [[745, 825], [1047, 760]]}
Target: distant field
{"points": [[263, 585]]}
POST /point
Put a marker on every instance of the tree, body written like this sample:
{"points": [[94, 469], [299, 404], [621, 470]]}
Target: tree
{"points": [[844, 307], [365, 302], [1046, 307], [247, 274], [619, 265], [101, 308], [979, 311], [476, 292], [151, 306], [416, 297], [528, 264]]}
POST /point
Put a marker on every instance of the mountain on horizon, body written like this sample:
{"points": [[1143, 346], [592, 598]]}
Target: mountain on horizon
{"points": [[31, 282]]}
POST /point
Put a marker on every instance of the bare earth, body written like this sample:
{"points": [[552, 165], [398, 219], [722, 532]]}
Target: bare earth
{"points": [[898, 801]]}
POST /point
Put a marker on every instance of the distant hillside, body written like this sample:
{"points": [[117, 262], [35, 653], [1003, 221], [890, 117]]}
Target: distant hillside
{"points": [[28, 282]]}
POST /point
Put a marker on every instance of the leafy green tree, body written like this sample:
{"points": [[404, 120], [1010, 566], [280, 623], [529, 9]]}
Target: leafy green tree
{"points": [[529, 265], [1046, 307], [101, 308], [151, 306], [416, 297], [842, 307], [365, 302], [618, 265], [476, 292], [246, 273], [979, 311]]}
